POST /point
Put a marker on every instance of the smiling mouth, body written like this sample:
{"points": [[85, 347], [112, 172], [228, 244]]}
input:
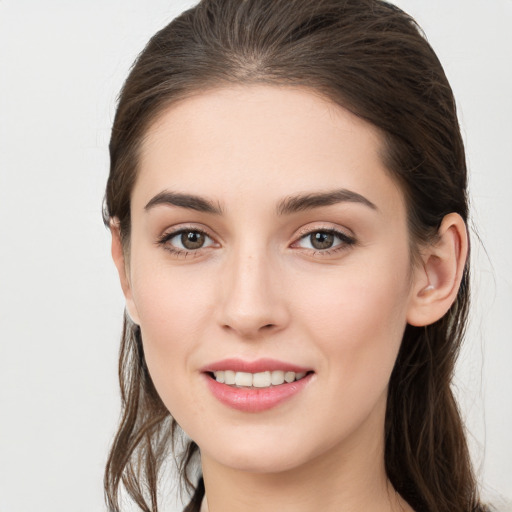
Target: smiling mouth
{"points": [[266, 379]]}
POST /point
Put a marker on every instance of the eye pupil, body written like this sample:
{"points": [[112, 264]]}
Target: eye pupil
{"points": [[192, 239], [322, 240]]}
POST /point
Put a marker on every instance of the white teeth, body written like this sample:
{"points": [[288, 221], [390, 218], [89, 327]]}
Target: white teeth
{"points": [[289, 376], [243, 379], [257, 380], [229, 377], [277, 377], [261, 380]]}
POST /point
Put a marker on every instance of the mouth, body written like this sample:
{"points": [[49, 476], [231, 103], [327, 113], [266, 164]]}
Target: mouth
{"points": [[256, 386]]}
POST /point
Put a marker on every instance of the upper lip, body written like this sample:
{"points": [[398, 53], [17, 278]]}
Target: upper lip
{"points": [[257, 366]]}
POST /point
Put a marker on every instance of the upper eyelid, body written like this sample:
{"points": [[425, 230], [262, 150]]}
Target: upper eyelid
{"points": [[305, 231], [176, 230]]}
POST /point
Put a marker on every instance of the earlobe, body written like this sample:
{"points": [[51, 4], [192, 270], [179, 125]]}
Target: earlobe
{"points": [[122, 269], [437, 281]]}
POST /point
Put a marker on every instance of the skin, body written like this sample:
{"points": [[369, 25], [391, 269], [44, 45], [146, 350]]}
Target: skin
{"points": [[258, 288]]}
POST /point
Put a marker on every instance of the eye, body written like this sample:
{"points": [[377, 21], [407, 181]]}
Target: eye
{"points": [[186, 240], [324, 239]]}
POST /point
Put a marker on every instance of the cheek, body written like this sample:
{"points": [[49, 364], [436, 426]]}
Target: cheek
{"points": [[357, 320], [358, 317], [173, 307], [170, 299]]}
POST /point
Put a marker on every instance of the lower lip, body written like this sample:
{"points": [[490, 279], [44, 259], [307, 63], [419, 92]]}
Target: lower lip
{"points": [[255, 399]]}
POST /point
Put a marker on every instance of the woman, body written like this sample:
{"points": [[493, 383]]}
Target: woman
{"points": [[287, 201]]}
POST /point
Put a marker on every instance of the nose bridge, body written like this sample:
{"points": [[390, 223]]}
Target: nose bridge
{"points": [[252, 302]]}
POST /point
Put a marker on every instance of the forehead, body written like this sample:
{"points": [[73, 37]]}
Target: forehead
{"points": [[262, 142]]}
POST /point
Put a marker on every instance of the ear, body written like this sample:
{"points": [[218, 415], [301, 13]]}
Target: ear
{"points": [[123, 270], [437, 279]]}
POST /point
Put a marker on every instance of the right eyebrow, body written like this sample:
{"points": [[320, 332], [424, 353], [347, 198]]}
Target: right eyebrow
{"points": [[190, 201]]}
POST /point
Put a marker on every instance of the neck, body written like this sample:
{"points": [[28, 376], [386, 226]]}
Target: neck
{"points": [[349, 477]]}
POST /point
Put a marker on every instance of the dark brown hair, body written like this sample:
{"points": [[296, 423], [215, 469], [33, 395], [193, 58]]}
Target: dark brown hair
{"points": [[371, 58]]}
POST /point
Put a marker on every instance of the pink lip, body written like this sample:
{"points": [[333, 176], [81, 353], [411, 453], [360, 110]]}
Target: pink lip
{"points": [[254, 399]]}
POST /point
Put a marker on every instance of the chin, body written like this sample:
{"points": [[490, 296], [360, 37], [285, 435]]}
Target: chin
{"points": [[259, 451], [259, 461]]}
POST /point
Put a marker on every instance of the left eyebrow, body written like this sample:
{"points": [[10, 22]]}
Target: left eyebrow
{"points": [[189, 201], [309, 201]]}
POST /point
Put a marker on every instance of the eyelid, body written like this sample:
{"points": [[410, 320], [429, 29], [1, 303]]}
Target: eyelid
{"points": [[180, 228], [313, 227]]}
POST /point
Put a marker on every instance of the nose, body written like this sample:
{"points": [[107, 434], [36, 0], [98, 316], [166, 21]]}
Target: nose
{"points": [[253, 300]]}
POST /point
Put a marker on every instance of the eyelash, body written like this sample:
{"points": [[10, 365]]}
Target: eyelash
{"points": [[346, 241]]}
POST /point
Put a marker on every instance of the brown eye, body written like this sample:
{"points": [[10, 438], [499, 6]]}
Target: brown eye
{"points": [[321, 240], [192, 240]]}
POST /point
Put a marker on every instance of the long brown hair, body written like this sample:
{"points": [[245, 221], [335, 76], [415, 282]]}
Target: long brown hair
{"points": [[371, 58]]}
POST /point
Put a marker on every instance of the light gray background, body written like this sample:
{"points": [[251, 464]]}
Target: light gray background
{"points": [[61, 66]]}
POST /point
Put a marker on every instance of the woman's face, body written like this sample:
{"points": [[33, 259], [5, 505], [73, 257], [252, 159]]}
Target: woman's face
{"points": [[268, 241]]}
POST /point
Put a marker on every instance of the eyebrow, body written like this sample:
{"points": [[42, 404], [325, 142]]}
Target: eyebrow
{"points": [[292, 204], [303, 202], [190, 201]]}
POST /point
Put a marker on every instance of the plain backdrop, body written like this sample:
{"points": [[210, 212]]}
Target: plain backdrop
{"points": [[62, 64]]}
